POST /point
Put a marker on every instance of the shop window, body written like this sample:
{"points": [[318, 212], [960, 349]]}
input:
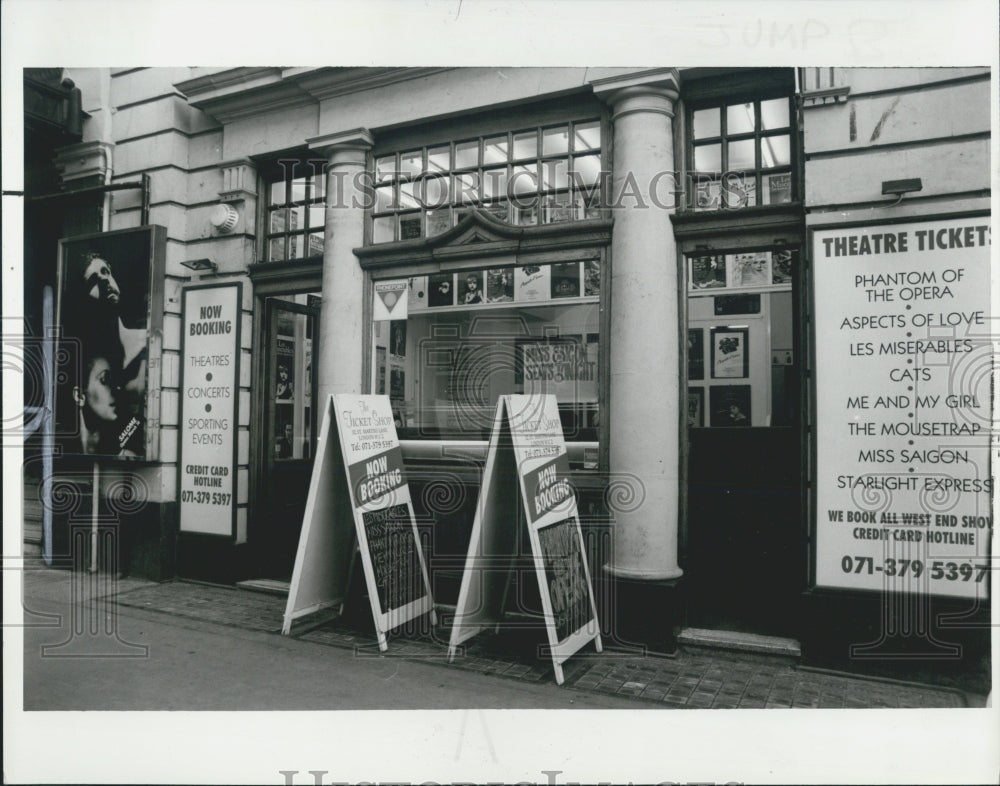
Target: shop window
{"points": [[295, 211], [740, 349], [475, 334], [741, 153], [538, 175]]}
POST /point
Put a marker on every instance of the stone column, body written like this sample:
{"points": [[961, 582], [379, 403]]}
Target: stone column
{"points": [[643, 345], [341, 336]]}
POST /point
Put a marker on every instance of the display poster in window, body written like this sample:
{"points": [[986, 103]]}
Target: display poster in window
{"points": [[565, 280], [471, 290], [781, 266], [532, 283], [307, 356], [562, 366], [731, 305], [417, 293], [527, 479], [696, 353], [708, 195], [110, 317], [730, 405], [284, 384], [777, 188], [591, 278], [441, 290], [209, 399], [397, 339], [366, 454], [739, 191], [696, 407], [390, 300], [380, 370], [730, 356], [749, 270], [904, 489], [500, 285], [707, 272]]}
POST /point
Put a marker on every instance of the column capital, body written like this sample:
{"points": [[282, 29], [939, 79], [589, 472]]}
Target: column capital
{"points": [[659, 86], [83, 161], [347, 146], [239, 180]]}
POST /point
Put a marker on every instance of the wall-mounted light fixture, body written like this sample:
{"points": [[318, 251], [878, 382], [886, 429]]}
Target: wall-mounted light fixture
{"points": [[898, 188], [200, 265], [224, 218]]}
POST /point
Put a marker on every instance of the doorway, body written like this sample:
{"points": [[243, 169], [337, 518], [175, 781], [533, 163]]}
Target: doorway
{"points": [[287, 444], [745, 552]]}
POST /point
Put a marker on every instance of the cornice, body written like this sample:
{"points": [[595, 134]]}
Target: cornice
{"points": [[237, 93]]}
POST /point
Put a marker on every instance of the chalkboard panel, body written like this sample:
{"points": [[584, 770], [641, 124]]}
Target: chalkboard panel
{"points": [[566, 577], [393, 551]]}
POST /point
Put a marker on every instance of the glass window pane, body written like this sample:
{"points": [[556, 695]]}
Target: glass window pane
{"points": [[438, 159], [708, 158], [276, 249], [316, 216], [706, 123], [526, 215], [467, 154], [739, 191], [436, 192], [555, 174], [382, 229], [777, 188], [279, 221], [442, 391], [524, 179], [591, 204], [318, 182], [411, 163], [741, 155], [774, 114], [494, 183], [587, 170], [408, 195], [278, 193], [438, 221], [560, 207], [775, 151], [411, 226], [385, 168], [295, 246], [466, 187], [383, 199], [495, 150], [739, 119], [296, 218], [587, 136], [315, 244], [299, 189], [525, 145], [555, 141]]}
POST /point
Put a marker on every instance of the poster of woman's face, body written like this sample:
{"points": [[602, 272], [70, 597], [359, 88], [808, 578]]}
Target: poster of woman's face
{"points": [[109, 301]]}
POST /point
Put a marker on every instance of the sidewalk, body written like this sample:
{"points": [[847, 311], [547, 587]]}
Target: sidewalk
{"points": [[695, 678]]}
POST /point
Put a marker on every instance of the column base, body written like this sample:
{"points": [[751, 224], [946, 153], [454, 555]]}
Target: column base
{"points": [[640, 613]]}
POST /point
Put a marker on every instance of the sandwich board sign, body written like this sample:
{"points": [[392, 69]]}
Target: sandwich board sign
{"points": [[359, 501], [527, 447]]}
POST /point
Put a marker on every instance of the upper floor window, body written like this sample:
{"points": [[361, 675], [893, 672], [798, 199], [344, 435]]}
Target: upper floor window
{"points": [[295, 211], [741, 153], [535, 176]]}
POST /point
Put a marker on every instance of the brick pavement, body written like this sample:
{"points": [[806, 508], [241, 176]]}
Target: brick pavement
{"points": [[693, 679]]}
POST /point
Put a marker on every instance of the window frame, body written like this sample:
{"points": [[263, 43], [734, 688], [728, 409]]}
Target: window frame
{"points": [[723, 139], [544, 205], [291, 169]]}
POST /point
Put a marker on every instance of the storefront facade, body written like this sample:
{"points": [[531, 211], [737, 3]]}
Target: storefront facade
{"points": [[639, 242]]}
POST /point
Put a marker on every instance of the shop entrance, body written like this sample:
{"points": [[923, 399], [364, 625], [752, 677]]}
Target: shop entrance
{"points": [[289, 423], [745, 550]]}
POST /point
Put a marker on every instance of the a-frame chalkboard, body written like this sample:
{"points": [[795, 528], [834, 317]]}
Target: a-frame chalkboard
{"points": [[527, 466], [359, 500]]}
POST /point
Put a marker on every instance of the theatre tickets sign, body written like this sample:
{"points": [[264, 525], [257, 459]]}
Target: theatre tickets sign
{"points": [[903, 401]]}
